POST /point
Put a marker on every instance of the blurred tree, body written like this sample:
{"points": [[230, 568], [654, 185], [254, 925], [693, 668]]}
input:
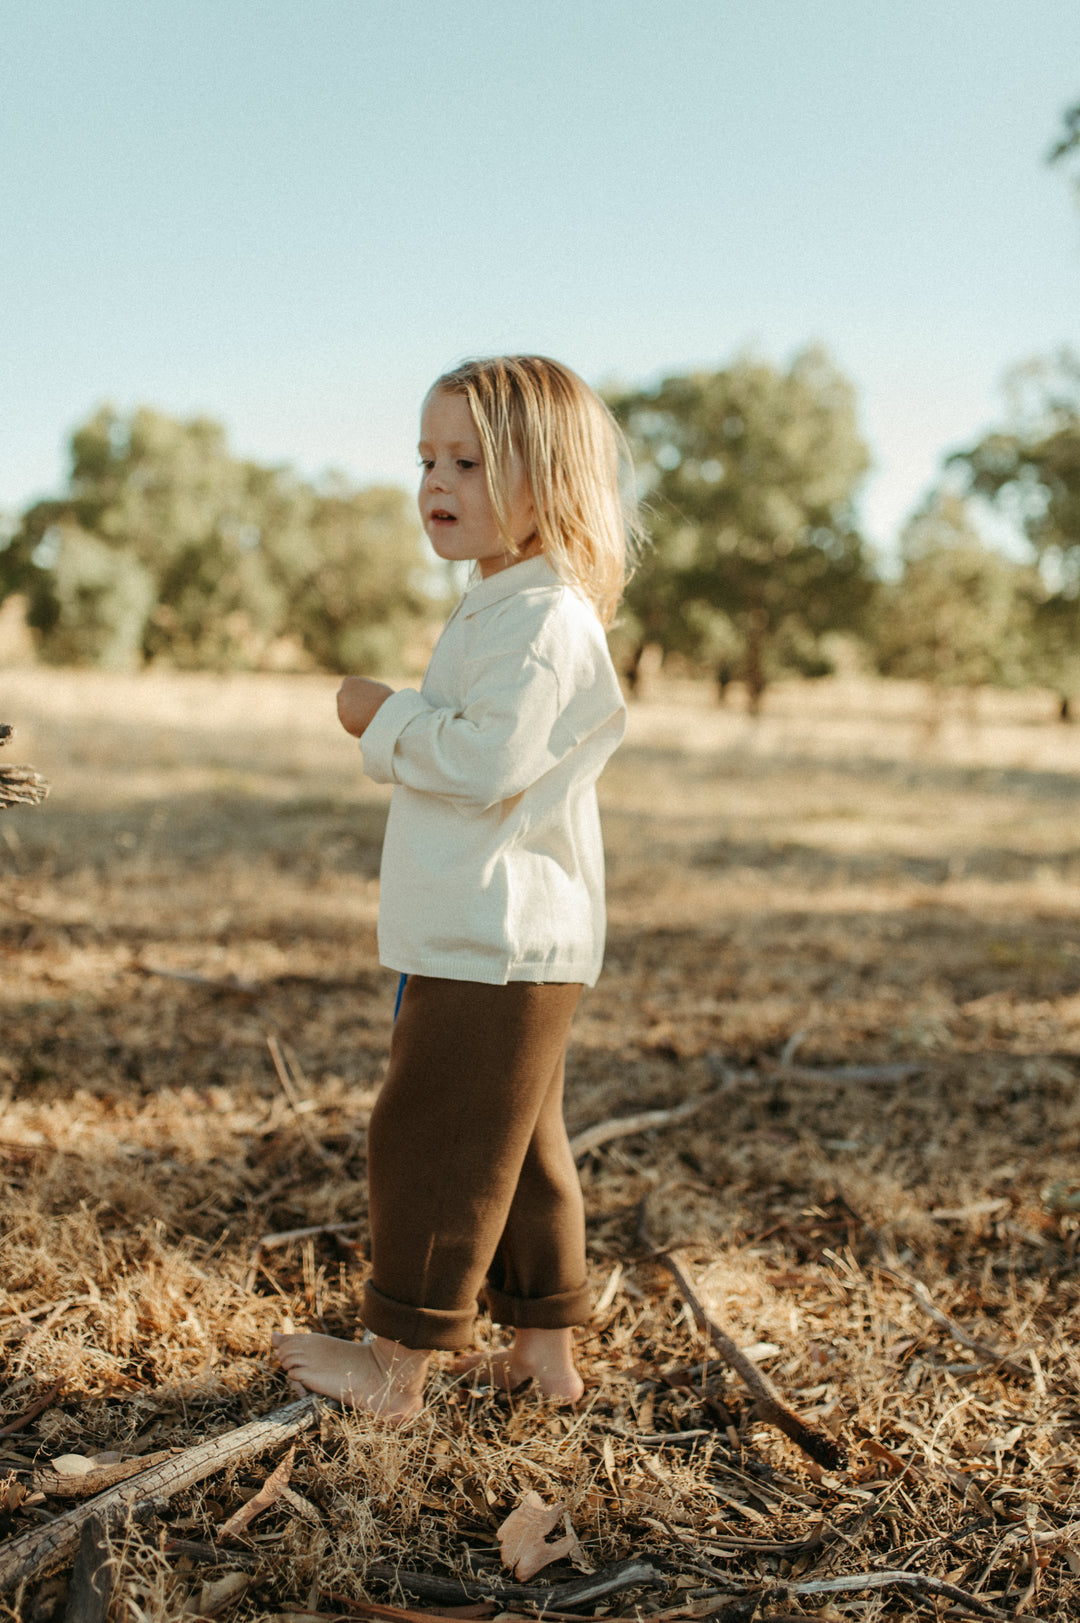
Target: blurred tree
{"points": [[165, 545], [1068, 142], [959, 615], [748, 476], [360, 595], [1030, 470]]}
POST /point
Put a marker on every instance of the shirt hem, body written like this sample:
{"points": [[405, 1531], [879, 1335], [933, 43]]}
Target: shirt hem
{"points": [[563, 971]]}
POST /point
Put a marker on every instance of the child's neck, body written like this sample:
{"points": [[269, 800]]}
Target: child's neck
{"points": [[506, 560]]}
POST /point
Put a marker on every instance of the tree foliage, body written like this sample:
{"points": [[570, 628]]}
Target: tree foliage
{"points": [[1068, 142], [1029, 469], [167, 546], [959, 615], [748, 476]]}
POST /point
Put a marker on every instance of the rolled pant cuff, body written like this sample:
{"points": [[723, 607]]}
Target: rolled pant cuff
{"points": [[418, 1327], [539, 1312]]}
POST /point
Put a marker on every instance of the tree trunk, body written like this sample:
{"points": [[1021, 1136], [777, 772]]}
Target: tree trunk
{"points": [[633, 670], [724, 678], [756, 680]]}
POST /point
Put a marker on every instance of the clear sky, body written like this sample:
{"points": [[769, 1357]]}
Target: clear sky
{"points": [[291, 214]]}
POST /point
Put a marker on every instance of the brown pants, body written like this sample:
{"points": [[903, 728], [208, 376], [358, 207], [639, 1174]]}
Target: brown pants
{"points": [[472, 1184]]}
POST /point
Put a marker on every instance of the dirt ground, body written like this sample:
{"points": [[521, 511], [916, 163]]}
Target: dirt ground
{"points": [[851, 881]]}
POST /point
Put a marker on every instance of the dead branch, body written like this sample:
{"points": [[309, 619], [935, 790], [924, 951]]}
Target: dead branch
{"points": [[577, 1592], [771, 1407], [19, 785], [45, 1548], [70, 1485]]}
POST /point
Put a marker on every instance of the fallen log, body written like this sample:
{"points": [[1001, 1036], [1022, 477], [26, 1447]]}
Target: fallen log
{"points": [[45, 1548]]}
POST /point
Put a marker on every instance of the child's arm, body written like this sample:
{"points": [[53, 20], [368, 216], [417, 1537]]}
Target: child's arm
{"points": [[523, 713], [358, 699]]}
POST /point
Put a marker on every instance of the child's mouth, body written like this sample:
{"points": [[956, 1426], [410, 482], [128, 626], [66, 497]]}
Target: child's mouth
{"points": [[440, 517]]}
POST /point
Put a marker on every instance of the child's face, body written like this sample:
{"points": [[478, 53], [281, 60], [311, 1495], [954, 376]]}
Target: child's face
{"points": [[455, 507]]}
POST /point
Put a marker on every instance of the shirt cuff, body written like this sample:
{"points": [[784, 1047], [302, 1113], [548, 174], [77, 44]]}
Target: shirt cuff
{"points": [[382, 732]]}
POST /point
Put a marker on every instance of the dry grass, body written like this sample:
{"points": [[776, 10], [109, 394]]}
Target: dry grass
{"points": [[843, 869]]}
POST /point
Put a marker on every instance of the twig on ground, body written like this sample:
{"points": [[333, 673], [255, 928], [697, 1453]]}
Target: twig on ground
{"points": [[577, 1592], [227, 983], [921, 1582], [45, 1548], [34, 1410], [591, 1138], [772, 1070], [208, 1555], [984, 1353], [292, 1094], [267, 1242], [391, 1614], [891, 1265], [644, 1121], [771, 1407]]}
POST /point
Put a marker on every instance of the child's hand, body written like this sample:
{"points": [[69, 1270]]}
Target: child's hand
{"points": [[357, 701]]}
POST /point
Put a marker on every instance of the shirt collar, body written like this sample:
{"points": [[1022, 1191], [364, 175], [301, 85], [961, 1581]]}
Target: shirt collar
{"points": [[481, 593]]}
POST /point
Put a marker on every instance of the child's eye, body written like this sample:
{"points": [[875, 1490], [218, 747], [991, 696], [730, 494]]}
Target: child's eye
{"points": [[425, 462], [463, 462]]}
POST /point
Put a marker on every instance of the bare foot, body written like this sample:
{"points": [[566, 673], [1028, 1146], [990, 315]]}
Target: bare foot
{"points": [[545, 1357], [379, 1376]]}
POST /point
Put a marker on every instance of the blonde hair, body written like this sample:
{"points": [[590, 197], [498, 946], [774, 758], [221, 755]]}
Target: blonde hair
{"points": [[576, 462]]}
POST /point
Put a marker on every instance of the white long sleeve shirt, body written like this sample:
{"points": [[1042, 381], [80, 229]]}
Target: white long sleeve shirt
{"points": [[493, 865]]}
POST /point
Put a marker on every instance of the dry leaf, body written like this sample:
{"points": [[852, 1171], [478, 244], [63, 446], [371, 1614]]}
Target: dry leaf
{"points": [[73, 1465], [215, 1597], [523, 1537], [271, 1490]]}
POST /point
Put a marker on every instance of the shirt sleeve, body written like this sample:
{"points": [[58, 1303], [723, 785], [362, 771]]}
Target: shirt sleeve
{"points": [[521, 717]]}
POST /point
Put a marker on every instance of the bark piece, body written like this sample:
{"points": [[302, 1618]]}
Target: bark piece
{"points": [[91, 1583], [271, 1490]]}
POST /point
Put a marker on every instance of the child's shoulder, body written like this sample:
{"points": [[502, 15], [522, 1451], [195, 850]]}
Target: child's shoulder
{"points": [[537, 601]]}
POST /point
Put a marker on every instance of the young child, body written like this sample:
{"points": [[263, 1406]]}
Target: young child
{"points": [[492, 891]]}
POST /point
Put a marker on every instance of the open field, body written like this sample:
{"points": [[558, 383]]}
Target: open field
{"points": [[841, 883]]}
